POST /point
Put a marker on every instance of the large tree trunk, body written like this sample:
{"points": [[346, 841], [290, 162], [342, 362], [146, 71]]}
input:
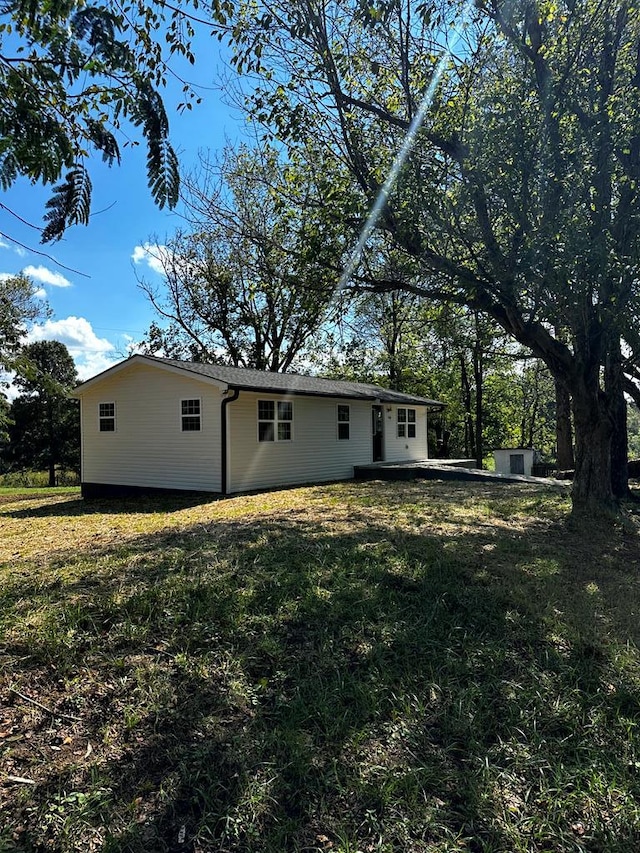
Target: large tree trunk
{"points": [[478, 377], [564, 435], [469, 428], [614, 386], [51, 452], [592, 492]]}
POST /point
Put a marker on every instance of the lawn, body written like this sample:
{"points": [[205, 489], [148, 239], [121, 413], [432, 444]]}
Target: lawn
{"points": [[354, 667]]}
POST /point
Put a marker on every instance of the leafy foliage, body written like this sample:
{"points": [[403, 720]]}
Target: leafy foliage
{"points": [[255, 274], [45, 428], [69, 204], [519, 198], [18, 307], [70, 74]]}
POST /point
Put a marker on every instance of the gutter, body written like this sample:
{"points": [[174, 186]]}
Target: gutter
{"points": [[223, 438], [433, 405]]}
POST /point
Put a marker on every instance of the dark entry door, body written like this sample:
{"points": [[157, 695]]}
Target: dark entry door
{"points": [[516, 463], [376, 431]]}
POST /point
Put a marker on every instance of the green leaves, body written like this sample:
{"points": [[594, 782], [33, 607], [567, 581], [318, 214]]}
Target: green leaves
{"points": [[70, 204], [72, 75], [254, 276], [19, 306], [163, 174], [162, 164]]}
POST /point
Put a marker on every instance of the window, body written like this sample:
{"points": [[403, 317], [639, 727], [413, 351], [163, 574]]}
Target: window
{"points": [[190, 415], [275, 420], [406, 423], [344, 419], [411, 423], [285, 420], [107, 417]]}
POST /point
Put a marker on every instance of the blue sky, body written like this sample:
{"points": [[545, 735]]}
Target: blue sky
{"points": [[97, 307]]}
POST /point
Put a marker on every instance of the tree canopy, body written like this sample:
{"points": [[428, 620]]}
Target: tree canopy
{"points": [[71, 74], [253, 275], [520, 196], [44, 430], [19, 306]]}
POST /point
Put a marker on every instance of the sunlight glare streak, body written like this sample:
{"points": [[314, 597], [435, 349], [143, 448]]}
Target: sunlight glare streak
{"points": [[401, 156]]}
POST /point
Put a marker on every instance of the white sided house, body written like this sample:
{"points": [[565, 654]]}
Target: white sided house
{"points": [[157, 423]]}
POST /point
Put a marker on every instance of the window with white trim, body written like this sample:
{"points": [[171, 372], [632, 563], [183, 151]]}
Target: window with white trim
{"points": [[107, 417], [190, 415], [275, 420], [406, 423], [344, 422]]}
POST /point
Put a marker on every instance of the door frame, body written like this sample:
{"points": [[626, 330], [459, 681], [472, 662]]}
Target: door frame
{"points": [[377, 435]]}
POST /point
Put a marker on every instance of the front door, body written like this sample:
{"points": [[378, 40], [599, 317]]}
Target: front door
{"points": [[376, 431]]}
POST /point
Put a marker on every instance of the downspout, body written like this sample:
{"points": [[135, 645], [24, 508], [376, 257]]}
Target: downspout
{"points": [[223, 438]]}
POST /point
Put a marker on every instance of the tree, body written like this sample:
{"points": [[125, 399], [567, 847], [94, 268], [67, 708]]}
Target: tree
{"points": [[18, 307], [254, 276], [5, 420], [70, 74], [494, 395], [520, 197], [375, 338], [46, 424]]}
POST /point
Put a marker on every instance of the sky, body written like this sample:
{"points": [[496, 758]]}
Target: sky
{"points": [[88, 278]]}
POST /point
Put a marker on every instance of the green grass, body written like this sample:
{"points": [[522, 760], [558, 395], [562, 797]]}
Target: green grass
{"points": [[357, 667], [28, 493], [36, 479]]}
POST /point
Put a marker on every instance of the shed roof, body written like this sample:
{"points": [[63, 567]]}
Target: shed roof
{"points": [[274, 383]]}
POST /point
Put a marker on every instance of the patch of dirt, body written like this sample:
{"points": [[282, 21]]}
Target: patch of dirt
{"points": [[23, 496]]}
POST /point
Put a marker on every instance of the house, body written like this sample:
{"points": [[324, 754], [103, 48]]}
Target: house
{"points": [[158, 423]]}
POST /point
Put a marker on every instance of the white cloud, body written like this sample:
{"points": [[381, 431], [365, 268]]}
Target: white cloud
{"points": [[90, 353], [151, 254], [19, 250], [46, 276]]}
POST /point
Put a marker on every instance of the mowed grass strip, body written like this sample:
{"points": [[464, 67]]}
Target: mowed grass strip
{"points": [[354, 667]]}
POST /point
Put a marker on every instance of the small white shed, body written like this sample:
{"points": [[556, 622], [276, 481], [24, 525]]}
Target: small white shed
{"points": [[514, 460]]}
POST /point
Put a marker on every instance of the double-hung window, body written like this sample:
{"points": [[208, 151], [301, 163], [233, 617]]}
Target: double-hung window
{"points": [[406, 423], [275, 420], [107, 417], [190, 415], [344, 422]]}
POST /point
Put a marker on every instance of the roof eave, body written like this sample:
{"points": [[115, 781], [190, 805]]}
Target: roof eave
{"points": [[372, 394], [344, 395], [81, 389]]}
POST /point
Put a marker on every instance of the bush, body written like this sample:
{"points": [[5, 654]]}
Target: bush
{"points": [[38, 479]]}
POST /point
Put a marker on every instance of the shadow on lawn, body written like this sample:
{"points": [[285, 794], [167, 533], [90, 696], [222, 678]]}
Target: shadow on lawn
{"points": [[282, 684], [112, 506]]}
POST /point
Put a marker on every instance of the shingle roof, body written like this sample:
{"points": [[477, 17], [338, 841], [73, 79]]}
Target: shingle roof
{"points": [[259, 380], [272, 383]]}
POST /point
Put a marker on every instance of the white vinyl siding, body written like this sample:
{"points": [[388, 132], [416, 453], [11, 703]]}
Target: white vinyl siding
{"points": [[149, 448], [315, 454]]}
